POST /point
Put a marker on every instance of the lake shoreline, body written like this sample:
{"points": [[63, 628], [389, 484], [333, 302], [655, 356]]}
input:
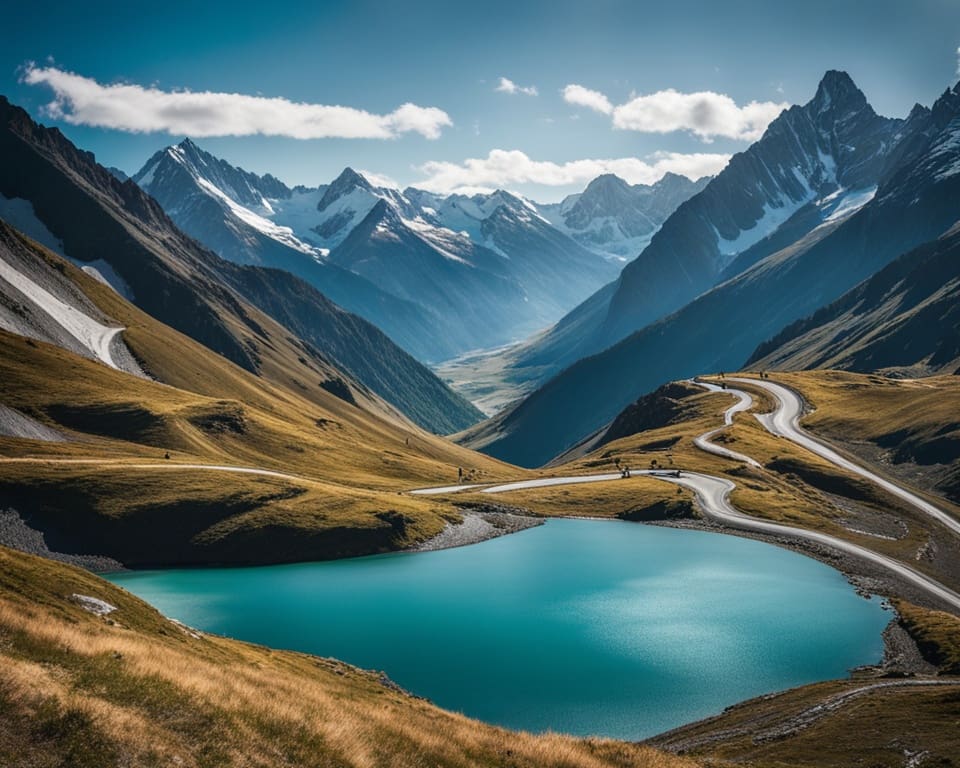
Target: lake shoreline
{"points": [[486, 521]]}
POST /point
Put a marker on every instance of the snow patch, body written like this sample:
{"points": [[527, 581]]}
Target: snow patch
{"points": [[270, 229], [147, 179], [93, 604], [20, 214], [93, 336], [106, 274], [843, 202], [770, 220]]}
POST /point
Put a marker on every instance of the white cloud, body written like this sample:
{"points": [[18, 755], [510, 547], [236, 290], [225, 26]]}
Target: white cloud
{"points": [[584, 97], [958, 62], [705, 114], [83, 101], [505, 168], [508, 86], [379, 179]]}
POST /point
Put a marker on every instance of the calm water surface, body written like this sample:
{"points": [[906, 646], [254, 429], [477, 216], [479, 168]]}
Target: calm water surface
{"points": [[587, 627]]}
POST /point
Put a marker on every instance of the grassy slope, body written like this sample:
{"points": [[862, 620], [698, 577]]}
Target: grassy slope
{"points": [[936, 633], [910, 427], [636, 499], [879, 728], [133, 688], [353, 457]]}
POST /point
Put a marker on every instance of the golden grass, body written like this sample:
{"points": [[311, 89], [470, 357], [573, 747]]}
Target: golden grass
{"points": [[352, 466], [936, 633], [616, 498], [353, 459], [877, 729], [133, 688]]}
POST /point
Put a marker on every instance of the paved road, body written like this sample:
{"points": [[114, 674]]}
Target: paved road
{"points": [[785, 422], [712, 492], [703, 442]]}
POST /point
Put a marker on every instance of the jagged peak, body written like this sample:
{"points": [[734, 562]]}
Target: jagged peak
{"points": [[837, 91], [347, 181], [918, 111], [947, 106], [350, 177]]}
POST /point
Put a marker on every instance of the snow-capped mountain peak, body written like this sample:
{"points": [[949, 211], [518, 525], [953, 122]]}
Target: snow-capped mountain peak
{"points": [[616, 219], [348, 200], [347, 182], [186, 181]]}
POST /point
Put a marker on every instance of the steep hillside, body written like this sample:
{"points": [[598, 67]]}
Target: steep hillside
{"points": [[904, 318], [129, 468], [113, 226], [814, 163], [238, 215]]}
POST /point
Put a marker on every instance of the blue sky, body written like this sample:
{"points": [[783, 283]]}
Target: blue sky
{"points": [[447, 58]]}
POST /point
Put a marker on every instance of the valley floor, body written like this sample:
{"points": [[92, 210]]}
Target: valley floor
{"points": [[484, 377]]}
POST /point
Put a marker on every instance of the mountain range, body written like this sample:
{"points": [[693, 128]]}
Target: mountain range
{"points": [[440, 274], [829, 241], [828, 196]]}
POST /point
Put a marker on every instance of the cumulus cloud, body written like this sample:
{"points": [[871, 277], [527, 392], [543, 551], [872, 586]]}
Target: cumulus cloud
{"points": [[705, 114], [508, 86], [584, 97], [505, 168], [83, 101]]}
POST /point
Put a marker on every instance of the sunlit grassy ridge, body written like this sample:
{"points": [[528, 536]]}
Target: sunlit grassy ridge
{"points": [[133, 688], [348, 468], [635, 499]]}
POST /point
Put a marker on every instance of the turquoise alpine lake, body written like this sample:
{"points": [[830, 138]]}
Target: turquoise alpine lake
{"points": [[587, 627]]}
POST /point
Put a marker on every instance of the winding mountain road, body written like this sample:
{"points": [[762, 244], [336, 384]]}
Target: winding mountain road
{"points": [[785, 422], [744, 403], [170, 465], [713, 493]]}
